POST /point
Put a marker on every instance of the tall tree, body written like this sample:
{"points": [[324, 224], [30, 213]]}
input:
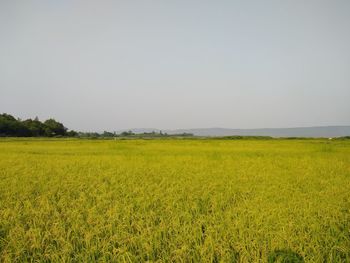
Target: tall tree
{"points": [[54, 128]]}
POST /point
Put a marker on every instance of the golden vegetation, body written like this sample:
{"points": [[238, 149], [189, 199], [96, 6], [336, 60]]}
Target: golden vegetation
{"points": [[175, 200]]}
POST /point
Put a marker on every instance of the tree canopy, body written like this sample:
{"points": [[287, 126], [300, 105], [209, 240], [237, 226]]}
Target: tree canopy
{"points": [[15, 127], [10, 126]]}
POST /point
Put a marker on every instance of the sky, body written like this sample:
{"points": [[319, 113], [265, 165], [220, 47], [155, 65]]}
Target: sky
{"points": [[111, 65]]}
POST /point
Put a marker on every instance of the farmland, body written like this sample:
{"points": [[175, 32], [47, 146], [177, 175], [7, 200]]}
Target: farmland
{"points": [[174, 200]]}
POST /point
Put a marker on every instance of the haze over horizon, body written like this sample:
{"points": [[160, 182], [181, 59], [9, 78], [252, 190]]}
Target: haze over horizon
{"points": [[113, 65]]}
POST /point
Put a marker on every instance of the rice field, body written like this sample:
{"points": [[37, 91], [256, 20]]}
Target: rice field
{"points": [[174, 200]]}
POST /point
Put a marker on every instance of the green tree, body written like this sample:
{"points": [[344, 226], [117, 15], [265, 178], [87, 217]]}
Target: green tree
{"points": [[72, 133], [36, 127], [10, 126], [54, 128]]}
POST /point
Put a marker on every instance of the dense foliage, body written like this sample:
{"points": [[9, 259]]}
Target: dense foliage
{"points": [[167, 200], [10, 126]]}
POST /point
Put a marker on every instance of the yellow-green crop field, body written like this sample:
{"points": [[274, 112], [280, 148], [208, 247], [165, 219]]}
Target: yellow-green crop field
{"points": [[174, 200]]}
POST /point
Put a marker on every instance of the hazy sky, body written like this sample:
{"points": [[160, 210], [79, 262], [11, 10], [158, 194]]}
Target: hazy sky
{"points": [[108, 65]]}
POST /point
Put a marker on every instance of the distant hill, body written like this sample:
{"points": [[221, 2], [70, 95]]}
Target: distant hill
{"points": [[321, 131]]}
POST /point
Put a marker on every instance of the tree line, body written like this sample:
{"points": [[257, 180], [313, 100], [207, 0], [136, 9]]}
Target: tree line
{"points": [[11, 126], [15, 127]]}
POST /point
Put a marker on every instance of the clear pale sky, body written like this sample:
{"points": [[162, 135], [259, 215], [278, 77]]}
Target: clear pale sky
{"points": [[109, 65]]}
